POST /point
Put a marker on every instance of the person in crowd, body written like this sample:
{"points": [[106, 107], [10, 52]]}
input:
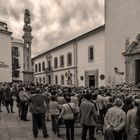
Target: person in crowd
{"points": [[87, 117], [54, 112], [37, 108], [137, 123], [24, 104], [8, 98], [1, 96], [18, 103], [100, 101], [131, 129], [128, 104], [60, 99], [114, 120], [67, 113], [47, 101], [74, 99], [94, 97]]}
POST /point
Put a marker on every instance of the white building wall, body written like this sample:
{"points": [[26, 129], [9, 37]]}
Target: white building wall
{"points": [[61, 71], [63, 51], [5, 57], [39, 75], [122, 21], [98, 41]]}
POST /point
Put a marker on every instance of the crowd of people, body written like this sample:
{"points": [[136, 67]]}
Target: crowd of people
{"points": [[117, 110]]}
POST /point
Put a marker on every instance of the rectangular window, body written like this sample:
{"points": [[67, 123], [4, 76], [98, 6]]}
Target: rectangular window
{"points": [[15, 51], [15, 63], [39, 67], [43, 66], [15, 73], [91, 53], [35, 67], [55, 63], [62, 61], [56, 80], [62, 79], [69, 59], [44, 80]]}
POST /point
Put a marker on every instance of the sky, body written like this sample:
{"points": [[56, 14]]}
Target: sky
{"points": [[53, 21]]}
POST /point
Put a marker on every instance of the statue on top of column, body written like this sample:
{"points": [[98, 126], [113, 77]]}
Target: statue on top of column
{"points": [[27, 17], [27, 21]]}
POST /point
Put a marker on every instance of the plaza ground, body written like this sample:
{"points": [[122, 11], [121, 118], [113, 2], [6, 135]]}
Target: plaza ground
{"points": [[12, 128]]}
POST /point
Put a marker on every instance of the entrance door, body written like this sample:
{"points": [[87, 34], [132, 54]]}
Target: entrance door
{"points": [[137, 75], [91, 80]]}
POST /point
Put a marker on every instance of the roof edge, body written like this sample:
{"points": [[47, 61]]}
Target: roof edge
{"points": [[94, 31]]}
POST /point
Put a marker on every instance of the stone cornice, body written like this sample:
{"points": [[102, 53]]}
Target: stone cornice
{"points": [[5, 32]]}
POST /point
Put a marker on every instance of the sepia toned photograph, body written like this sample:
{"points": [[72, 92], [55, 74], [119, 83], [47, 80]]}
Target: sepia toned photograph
{"points": [[69, 69]]}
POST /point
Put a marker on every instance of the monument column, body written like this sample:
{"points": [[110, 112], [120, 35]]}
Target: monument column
{"points": [[27, 36]]}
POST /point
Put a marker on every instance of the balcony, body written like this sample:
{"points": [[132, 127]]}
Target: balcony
{"points": [[48, 69]]}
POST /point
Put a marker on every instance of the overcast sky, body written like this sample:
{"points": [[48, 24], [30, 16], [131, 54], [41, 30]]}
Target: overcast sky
{"points": [[53, 21]]}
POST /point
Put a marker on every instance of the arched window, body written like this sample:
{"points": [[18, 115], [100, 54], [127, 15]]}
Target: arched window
{"points": [[91, 53], [69, 59], [62, 61], [55, 63]]}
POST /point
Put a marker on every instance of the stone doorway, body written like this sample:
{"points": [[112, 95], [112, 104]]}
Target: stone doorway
{"points": [[91, 78], [132, 61], [137, 71]]}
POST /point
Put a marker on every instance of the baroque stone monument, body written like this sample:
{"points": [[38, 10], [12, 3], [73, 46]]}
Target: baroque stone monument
{"points": [[27, 37]]}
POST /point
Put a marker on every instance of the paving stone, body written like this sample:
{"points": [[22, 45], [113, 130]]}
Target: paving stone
{"points": [[12, 128]]}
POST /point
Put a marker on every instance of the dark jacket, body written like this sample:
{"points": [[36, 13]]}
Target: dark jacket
{"points": [[87, 113], [8, 94], [37, 104]]}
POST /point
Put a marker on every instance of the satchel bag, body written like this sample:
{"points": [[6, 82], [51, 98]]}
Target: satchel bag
{"points": [[75, 114]]}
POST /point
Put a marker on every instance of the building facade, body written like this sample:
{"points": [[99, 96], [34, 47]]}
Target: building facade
{"points": [[17, 59], [91, 59], [122, 56], [5, 53], [78, 62], [12, 57]]}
